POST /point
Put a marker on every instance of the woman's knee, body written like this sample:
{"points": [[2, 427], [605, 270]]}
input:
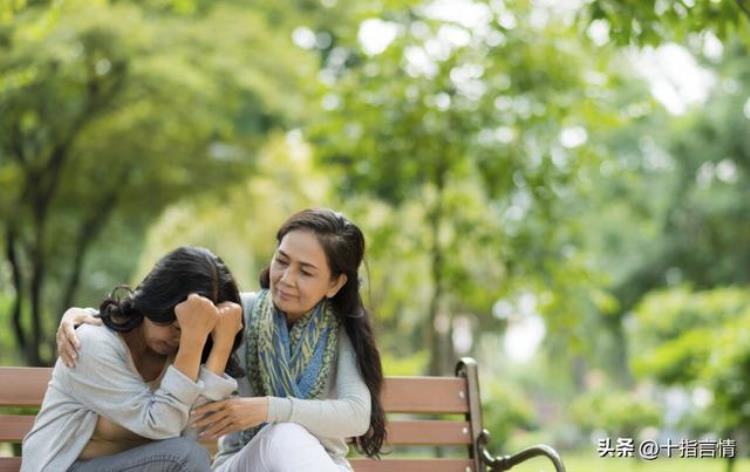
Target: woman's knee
{"points": [[290, 447], [283, 436]]}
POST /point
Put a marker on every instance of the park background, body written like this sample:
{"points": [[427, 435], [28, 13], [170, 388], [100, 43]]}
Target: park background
{"points": [[558, 189]]}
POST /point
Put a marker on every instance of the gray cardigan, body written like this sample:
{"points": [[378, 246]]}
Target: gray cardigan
{"points": [[344, 413], [105, 382]]}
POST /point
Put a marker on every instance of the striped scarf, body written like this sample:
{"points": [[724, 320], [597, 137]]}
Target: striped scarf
{"points": [[284, 362]]}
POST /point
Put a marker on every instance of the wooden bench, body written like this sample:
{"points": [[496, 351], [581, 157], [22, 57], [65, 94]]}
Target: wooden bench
{"points": [[404, 399]]}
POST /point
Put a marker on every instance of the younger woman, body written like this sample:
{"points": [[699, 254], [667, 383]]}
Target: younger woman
{"points": [[164, 345]]}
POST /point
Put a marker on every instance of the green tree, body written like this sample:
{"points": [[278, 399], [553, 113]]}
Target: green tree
{"points": [[697, 339], [113, 111], [655, 22], [483, 126]]}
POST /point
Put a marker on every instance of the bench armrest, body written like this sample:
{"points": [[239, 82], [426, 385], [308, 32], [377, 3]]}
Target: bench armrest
{"points": [[501, 463]]}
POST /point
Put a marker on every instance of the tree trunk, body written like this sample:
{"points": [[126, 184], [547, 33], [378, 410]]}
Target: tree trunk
{"points": [[87, 233], [42, 176], [436, 342], [38, 272], [17, 280]]}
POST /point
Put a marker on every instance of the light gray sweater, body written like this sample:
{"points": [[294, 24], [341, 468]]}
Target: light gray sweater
{"points": [[344, 413], [105, 382]]}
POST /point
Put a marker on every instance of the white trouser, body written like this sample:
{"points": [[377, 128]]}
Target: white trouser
{"points": [[282, 447]]}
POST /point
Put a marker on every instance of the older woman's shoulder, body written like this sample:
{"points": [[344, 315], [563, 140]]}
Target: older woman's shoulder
{"points": [[247, 299]]}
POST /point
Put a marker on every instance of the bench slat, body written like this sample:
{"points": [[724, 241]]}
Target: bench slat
{"points": [[29, 385], [413, 465], [407, 432], [13, 464], [14, 427], [400, 394], [425, 395], [10, 464], [428, 432]]}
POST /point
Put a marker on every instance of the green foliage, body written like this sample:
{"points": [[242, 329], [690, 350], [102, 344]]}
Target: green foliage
{"points": [[619, 413], [466, 122], [239, 224], [404, 366], [110, 112], [654, 22], [698, 339], [506, 410]]}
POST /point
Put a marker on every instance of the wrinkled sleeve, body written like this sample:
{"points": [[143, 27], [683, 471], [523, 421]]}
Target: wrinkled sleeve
{"points": [[103, 382]]}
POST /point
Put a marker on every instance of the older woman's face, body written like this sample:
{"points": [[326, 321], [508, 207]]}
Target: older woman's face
{"points": [[300, 275]]}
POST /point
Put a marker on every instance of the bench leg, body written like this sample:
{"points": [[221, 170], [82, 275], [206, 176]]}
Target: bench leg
{"points": [[501, 463]]}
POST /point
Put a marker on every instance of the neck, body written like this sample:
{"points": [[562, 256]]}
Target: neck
{"points": [[135, 341], [291, 319]]}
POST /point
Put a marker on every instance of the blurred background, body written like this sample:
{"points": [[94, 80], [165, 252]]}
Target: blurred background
{"points": [[556, 188]]}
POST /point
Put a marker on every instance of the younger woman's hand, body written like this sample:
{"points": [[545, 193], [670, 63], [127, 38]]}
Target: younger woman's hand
{"points": [[197, 316], [227, 416], [227, 327], [67, 341], [229, 323]]}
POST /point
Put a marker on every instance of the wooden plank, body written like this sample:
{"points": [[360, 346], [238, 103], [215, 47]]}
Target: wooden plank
{"points": [[412, 465], [425, 395], [10, 464], [14, 427], [400, 394], [13, 464], [428, 432], [28, 385]]}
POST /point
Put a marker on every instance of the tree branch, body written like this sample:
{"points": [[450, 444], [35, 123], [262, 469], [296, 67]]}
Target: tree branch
{"points": [[744, 8], [16, 144], [87, 234], [10, 254]]}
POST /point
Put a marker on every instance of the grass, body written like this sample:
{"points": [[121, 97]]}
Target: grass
{"points": [[581, 462]]}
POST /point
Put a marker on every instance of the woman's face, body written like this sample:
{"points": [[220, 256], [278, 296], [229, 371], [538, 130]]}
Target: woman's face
{"points": [[300, 275], [163, 339]]}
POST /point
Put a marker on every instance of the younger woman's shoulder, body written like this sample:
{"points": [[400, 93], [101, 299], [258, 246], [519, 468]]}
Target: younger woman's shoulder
{"points": [[98, 338]]}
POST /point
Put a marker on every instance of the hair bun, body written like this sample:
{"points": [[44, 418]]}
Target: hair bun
{"points": [[119, 312], [110, 308]]}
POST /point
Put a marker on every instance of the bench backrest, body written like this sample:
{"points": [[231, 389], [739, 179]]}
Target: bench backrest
{"points": [[409, 401]]}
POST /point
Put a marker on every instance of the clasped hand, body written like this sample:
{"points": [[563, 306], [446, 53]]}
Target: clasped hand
{"points": [[228, 416], [198, 315]]}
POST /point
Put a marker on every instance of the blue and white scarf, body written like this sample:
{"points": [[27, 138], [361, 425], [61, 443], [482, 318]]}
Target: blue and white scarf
{"points": [[289, 362]]}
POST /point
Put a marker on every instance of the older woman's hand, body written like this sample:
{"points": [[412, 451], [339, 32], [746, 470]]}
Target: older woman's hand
{"points": [[228, 416], [67, 341]]}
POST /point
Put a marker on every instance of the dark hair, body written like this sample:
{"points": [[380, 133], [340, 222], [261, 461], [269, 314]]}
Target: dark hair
{"points": [[344, 246], [183, 271]]}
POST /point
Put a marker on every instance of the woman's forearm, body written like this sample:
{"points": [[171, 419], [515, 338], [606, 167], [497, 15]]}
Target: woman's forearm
{"points": [[188, 356], [219, 356]]}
